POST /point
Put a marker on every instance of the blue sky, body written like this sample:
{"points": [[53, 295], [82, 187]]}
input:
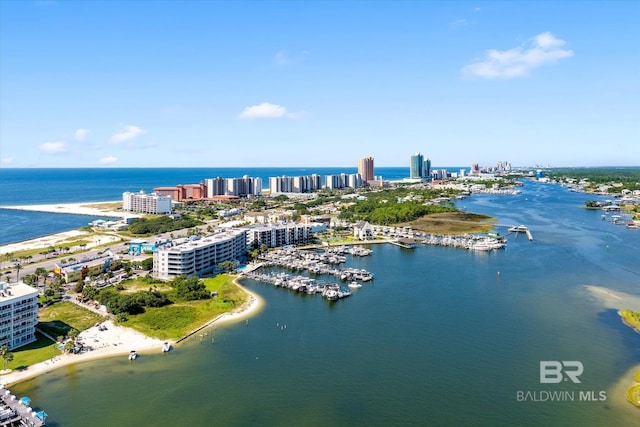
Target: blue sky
{"points": [[223, 84]]}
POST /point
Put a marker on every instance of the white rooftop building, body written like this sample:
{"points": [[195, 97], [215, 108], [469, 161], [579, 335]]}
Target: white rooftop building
{"points": [[199, 256], [18, 314], [146, 203]]}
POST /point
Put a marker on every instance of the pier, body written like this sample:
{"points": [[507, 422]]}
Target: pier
{"points": [[521, 229], [14, 412]]}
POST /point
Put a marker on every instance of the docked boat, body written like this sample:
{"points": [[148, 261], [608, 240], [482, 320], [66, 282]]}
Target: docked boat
{"points": [[481, 246], [133, 355], [166, 347], [519, 229], [355, 285]]}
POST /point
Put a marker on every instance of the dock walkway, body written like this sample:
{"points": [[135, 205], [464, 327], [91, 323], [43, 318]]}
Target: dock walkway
{"points": [[15, 412]]}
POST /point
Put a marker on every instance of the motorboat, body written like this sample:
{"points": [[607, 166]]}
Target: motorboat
{"points": [[166, 347], [133, 355]]}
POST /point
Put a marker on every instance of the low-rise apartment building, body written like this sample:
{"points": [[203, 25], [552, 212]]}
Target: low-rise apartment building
{"points": [[275, 235], [199, 256]]}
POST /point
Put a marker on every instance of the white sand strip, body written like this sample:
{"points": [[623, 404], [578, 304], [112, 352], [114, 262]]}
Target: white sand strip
{"points": [[92, 209]]}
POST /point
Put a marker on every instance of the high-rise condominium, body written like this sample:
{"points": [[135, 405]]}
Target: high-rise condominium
{"points": [[365, 168], [417, 166]]}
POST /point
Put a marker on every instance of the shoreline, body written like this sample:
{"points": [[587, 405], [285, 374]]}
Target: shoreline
{"points": [[119, 341], [81, 208], [56, 238]]}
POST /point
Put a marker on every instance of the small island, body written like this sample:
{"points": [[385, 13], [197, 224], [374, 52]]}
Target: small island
{"points": [[632, 318]]}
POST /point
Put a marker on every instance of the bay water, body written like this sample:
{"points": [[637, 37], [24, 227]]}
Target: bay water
{"points": [[441, 336]]}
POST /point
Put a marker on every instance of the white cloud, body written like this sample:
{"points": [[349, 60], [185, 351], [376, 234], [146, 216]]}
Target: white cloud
{"points": [[266, 110], [56, 147], [457, 24], [7, 160], [283, 58], [81, 134], [108, 160], [127, 133], [543, 49]]}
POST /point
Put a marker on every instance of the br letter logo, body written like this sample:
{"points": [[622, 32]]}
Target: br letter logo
{"points": [[554, 372]]}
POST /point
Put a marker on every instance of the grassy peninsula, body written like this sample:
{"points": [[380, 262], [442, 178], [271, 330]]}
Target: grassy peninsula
{"points": [[632, 318]]}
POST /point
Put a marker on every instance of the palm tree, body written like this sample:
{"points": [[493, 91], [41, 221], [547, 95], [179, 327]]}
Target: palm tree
{"points": [[7, 257], [41, 272], [7, 356], [18, 268]]}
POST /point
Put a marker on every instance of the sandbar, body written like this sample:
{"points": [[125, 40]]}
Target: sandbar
{"points": [[90, 209]]}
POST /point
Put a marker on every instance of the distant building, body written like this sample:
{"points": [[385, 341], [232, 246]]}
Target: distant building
{"points": [[199, 256], [276, 235], [146, 203], [365, 169], [75, 271], [344, 180], [295, 184], [18, 314], [184, 193], [416, 166], [244, 186], [426, 169]]}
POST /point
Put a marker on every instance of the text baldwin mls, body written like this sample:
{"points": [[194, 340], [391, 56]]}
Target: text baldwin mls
{"points": [[555, 372]]}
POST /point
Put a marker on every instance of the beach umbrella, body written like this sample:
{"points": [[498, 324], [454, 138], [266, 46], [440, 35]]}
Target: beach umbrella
{"points": [[42, 415], [25, 401]]}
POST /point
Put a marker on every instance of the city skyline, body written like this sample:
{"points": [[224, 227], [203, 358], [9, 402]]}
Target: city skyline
{"points": [[259, 84]]}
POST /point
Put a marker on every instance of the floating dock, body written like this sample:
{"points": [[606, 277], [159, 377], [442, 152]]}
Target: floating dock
{"points": [[17, 412], [521, 229]]}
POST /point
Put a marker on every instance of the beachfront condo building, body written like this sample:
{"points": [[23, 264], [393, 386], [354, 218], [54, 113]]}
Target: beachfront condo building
{"points": [[142, 202], [244, 186], [416, 166], [199, 256], [365, 168], [343, 180], [294, 184], [276, 235], [18, 314]]}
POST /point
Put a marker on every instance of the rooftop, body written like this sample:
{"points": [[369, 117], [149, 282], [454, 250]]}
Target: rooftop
{"points": [[15, 290]]}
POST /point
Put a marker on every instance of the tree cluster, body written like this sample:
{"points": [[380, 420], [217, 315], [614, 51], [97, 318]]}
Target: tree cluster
{"points": [[134, 303], [161, 224], [188, 289]]}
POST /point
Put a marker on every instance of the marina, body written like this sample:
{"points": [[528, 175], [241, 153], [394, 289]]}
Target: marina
{"points": [[301, 284]]}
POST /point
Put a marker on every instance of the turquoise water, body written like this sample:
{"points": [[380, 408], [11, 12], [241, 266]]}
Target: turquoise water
{"points": [[48, 186], [438, 338]]}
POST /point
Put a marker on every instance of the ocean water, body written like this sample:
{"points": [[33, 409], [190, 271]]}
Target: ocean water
{"points": [[438, 338], [48, 186]]}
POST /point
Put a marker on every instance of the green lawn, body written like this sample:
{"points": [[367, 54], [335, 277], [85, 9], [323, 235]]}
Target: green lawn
{"points": [[58, 319], [40, 350], [177, 320]]}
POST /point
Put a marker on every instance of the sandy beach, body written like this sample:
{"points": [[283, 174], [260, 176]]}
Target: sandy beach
{"points": [[91, 209], [93, 240], [119, 341]]}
